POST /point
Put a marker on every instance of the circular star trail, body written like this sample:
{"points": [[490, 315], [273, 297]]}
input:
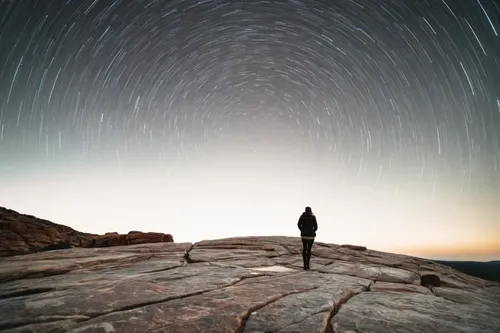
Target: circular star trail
{"points": [[382, 93]]}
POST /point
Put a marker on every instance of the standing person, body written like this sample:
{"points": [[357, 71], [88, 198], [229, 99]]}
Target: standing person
{"points": [[308, 226]]}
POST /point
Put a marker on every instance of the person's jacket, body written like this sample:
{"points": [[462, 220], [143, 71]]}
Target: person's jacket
{"points": [[307, 225]]}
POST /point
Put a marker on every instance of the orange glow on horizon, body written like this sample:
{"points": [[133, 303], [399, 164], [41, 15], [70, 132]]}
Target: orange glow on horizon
{"points": [[472, 250], [216, 201]]}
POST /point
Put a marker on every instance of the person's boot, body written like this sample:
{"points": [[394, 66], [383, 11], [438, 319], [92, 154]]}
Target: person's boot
{"points": [[304, 258], [308, 260]]}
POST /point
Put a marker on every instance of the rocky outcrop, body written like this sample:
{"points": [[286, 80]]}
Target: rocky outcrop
{"points": [[23, 234], [132, 238], [250, 284]]}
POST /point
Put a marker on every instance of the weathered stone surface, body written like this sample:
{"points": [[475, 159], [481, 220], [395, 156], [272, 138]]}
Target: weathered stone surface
{"points": [[132, 238], [390, 286], [250, 284], [413, 312], [354, 247], [23, 234], [329, 291], [372, 272]]}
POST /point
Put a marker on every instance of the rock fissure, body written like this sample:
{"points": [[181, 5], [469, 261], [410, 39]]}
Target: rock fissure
{"points": [[301, 321], [26, 292], [161, 270], [167, 299], [122, 289], [328, 328], [163, 300], [312, 314], [180, 277], [186, 255], [246, 315]]}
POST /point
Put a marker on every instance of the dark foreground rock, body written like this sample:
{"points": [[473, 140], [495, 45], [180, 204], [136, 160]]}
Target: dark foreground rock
{"points": [[251, 285]]}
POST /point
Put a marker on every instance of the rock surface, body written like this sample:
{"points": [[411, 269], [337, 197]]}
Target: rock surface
{"points": [[23, 234], [132, 238], [250, 284]]}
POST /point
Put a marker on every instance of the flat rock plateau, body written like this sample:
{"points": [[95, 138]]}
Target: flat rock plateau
{"points": [[247, 284]]}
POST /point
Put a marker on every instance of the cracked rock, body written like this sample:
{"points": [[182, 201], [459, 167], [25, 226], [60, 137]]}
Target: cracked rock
{"points": [[245, 284]]}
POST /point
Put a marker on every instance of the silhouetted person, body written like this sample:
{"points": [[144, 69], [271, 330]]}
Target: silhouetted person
{"points": [[308, 226]]}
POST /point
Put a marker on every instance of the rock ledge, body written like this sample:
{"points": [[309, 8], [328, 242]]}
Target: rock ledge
{"points": [[248, 284], [23, 234]]}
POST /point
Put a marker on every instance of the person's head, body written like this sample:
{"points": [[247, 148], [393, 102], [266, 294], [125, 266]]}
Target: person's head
{"points": [[308, 210]]}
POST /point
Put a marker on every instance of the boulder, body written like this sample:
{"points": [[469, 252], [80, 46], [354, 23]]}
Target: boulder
{"points": [[244, 284], [430, 280]]}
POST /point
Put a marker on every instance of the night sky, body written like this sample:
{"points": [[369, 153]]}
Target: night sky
{"points": [[211, 119]]}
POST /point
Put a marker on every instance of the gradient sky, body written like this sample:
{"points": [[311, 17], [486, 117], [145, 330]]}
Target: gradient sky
{"points": [[210, 119]]}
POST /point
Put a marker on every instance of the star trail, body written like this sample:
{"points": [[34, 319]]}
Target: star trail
{"points": [[209, 119]]}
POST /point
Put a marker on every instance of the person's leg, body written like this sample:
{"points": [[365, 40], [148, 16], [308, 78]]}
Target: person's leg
{"points": [[304, 252], [309, 249]]}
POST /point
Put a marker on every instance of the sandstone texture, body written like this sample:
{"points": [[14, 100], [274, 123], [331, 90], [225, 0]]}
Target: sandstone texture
{"points": [[132, 238], [248, 284], [23, 234]]}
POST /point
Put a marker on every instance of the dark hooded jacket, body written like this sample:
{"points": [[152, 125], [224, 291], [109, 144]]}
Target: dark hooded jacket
{"points": [[307, 225]]}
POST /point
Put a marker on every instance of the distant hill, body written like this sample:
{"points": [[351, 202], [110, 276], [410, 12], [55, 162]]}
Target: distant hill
{"points": [[485, 270], [24, 234]]}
